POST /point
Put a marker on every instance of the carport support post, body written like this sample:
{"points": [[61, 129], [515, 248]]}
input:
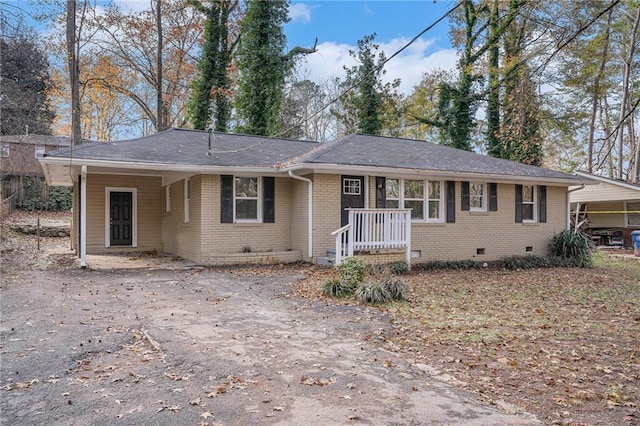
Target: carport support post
{"points": [[83, 218]]}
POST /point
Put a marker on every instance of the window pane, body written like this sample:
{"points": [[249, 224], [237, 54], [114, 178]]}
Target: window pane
{"points": [[247, 209], [434, 209], [392, 204], [434, 190], [246, 187], [392, 188], [418, 209], [351, 186], [476, 189], [413, 189], [527, 211], [527, 194]]}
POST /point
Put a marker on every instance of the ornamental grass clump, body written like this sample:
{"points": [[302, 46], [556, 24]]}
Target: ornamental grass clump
{"points": [[337, 288], [373, 293], [575, 247]]}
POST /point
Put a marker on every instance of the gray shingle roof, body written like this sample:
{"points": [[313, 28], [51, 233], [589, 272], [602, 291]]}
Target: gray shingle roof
{"points": [[189, 147], [380, 151]]}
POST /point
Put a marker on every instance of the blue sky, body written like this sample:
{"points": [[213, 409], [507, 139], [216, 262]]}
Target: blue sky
{"points": [[339, 24]]}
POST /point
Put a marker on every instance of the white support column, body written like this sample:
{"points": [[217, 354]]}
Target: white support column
{"points": [[407, 255], [83, 218]]}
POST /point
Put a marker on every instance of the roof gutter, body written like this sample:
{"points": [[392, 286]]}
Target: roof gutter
{"points": [[439, 174], [309, 208]]}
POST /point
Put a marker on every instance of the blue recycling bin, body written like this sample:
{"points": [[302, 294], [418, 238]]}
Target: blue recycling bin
{"points": [[635, 239]]}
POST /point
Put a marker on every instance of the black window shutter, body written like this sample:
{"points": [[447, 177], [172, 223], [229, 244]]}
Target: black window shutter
{"points": [[451, 201], [464, 205], [493, 197], [268, 199], [226, 199], [542, 204], [519, 203], [381, 192]]}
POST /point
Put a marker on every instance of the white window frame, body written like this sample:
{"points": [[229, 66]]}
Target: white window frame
{"points": [[349, 184], [187, 200], [5, 150], [39, 151], [167, 199], [533, 203], [626, 215], [258, 198], [425, 200], [483, 197], [107, 214], [430, 199]]}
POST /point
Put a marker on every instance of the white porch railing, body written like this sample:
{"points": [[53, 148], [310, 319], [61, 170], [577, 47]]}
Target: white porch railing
{"points": [[374, 229]]}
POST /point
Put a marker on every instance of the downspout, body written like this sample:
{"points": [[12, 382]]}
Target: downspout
{"points": [[83, 218], [310, 209], [569, 204]]}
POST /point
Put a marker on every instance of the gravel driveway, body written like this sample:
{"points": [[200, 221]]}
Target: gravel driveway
{"points": [[198, 347]]}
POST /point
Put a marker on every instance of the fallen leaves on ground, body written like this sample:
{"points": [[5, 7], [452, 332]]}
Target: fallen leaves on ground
{"points": [[561, 343]]}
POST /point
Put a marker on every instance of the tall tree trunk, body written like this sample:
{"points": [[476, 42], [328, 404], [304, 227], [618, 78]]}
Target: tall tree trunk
{"points": [[626, 76], [493, 106], [74, 71], [596, 92], [160, 111]]}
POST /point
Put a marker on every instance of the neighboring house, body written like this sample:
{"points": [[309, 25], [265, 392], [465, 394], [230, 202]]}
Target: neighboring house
{"points": [[224, 198], [18, 159], [611, 209]]}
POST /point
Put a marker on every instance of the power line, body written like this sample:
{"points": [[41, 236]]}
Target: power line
{"points": [[349, 88]]}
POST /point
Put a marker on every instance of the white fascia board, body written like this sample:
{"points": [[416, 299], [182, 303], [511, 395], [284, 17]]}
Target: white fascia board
{"points": [[434, 174], [161, 167]]}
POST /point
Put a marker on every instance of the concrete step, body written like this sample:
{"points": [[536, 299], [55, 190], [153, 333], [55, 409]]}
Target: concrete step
{"points": [[323, 260]]}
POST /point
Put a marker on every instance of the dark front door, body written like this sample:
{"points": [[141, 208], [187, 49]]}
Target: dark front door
{"points": [[352, 195], [121, 220]]}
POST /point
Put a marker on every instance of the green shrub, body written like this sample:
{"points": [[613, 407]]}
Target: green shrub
{"points": [[526, 262], [352, 271], [457, 265], [33, 199], [373, 293], [336, 288], [60, 198], [573, 246], [398, 268]]}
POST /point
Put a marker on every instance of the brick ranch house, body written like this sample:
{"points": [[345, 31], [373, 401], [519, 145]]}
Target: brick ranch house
{"points": [[217, 198]]}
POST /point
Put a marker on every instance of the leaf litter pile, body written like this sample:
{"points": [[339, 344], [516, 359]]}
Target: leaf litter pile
{"points": [[563, 344]]}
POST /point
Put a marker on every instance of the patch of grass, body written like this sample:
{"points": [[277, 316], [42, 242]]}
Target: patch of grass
{"points": [[456, 265]]}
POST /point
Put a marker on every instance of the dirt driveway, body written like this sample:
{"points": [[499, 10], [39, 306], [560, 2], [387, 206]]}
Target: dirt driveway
{"points": [[194, 346]]}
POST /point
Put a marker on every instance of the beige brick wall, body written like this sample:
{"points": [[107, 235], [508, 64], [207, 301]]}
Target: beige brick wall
{"points": [[223, 238], [495, 232], [326, 211], [180, 238], [300, 217], [149, 211]]}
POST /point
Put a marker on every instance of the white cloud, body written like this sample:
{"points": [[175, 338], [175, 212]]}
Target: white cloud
{"points": [[300, 12], [409, 66], [133, 5]]}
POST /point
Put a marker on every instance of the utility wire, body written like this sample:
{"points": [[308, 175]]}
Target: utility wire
{"points": [[350, 88]]}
